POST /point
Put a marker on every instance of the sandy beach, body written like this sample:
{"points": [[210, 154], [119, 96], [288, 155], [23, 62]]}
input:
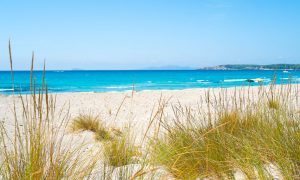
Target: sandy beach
{"points": [[114, 90], [129, 109], [119, 109]]}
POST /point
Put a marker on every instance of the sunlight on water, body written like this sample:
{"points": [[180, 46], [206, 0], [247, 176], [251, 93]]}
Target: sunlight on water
{"points": [[104, 81]]}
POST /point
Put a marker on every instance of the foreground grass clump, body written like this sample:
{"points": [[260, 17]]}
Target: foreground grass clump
{"points": [[93, 123], [38, 150], [86, 123], [250, 138], [103, 135], [273, 104], [36, 146], [121, 151]]}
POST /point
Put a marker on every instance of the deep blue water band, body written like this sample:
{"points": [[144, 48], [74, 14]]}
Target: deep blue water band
{"points": [[104, 81]]}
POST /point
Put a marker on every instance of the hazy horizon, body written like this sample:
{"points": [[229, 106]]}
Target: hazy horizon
{"points": [[119, 35]]}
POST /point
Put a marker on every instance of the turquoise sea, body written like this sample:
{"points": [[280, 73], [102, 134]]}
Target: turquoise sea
{"points": [[104, 81]]}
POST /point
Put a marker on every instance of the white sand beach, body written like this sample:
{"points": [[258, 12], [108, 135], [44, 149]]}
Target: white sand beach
{"points": [[122, 109], [119, 109], [129, 108]]}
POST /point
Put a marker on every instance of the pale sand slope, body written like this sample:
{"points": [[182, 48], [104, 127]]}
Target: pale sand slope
{"points": [[119, 109]]}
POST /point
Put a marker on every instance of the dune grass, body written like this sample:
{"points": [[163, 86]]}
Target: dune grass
{"points": [[121, 151], [256, 138], [118, 148], [85, 122], [123, 158], [36, 148], [39, 149], [89, 122], [273, 104]]}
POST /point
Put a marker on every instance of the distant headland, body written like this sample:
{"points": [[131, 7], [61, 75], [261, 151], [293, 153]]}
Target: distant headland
{"points": [[253, 67]]}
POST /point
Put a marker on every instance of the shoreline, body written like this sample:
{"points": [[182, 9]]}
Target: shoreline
{"points": [[132, 107], [149, 90], [133, 110]]}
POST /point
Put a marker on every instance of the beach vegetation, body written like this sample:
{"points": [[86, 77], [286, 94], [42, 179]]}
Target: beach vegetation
{"points": [[36, 146], [85, 122], [121, 151], [248, 139], [89, 122], [101, 134], [273, 104]]}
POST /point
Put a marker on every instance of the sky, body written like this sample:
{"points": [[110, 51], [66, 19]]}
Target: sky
{"points": [[138, 34]]}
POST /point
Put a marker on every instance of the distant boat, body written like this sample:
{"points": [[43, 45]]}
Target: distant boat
{"points": [[254, 80], [285, 71], [250, 80]]}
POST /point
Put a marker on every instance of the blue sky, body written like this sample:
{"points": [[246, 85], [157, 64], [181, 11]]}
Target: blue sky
{"points": [[135, 34]]}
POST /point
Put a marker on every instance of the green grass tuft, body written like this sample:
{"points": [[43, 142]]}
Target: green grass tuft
{"points": [[102, 134], [35, 149], [120, 151], [274, 104], [86, 123], [249, 138]]}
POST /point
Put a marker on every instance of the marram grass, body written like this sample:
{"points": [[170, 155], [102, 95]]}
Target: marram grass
{"points": [[89, 122], [121, 151], [36, 148], [250, 138], [85, 122]]}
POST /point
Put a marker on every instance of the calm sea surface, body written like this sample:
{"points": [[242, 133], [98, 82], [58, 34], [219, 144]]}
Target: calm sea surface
{"points": [[103, 81]]}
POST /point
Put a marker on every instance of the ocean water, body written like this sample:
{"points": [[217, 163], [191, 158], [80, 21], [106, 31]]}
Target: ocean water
{"points": [[104, 81]]}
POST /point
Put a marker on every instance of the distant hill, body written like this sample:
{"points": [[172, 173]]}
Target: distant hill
{"points": [[254, 67]]}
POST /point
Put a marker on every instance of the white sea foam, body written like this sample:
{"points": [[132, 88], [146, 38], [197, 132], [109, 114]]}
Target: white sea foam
{"points": [[203, 81], [234, 80], [291, 78], [2, 90]]}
